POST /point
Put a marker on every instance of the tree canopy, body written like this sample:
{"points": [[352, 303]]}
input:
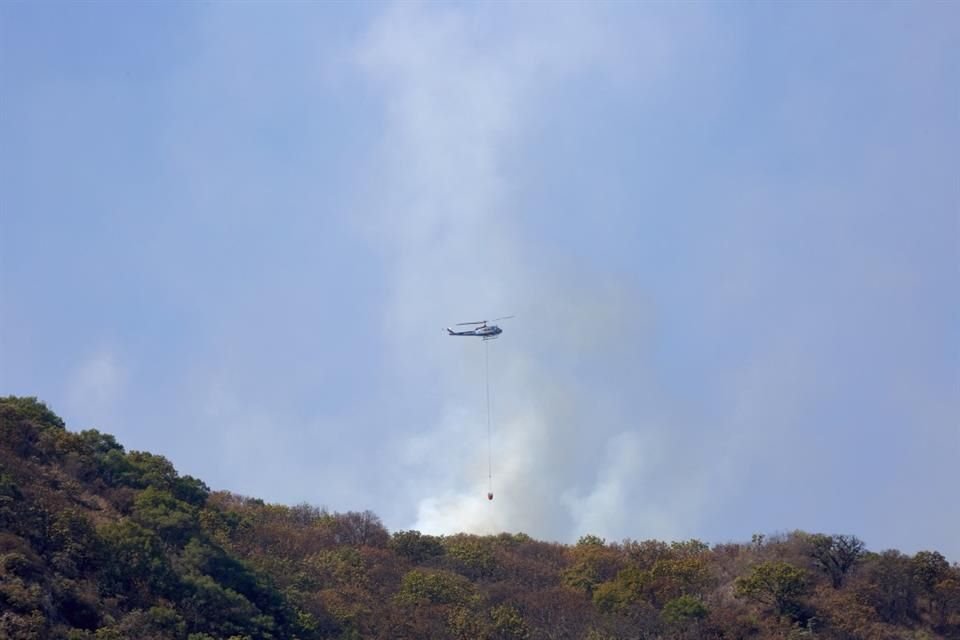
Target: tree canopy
{"points": [[101, 543]]}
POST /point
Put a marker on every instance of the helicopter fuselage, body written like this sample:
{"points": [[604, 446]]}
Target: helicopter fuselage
{"points": [[486, 332]]}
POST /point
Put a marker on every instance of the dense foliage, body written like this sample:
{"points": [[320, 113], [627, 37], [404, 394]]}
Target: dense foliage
{"points": [[99, 542]]}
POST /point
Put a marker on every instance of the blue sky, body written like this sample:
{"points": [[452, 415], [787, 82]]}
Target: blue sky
{"points": [[231, 233]]}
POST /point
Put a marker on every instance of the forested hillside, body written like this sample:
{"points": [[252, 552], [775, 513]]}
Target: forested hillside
{"points": [[100, 542]]}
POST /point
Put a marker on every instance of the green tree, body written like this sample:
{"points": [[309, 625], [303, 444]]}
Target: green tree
{"points": [[415, 546], [210, 608], [73, 545], [433, 587], [684, 609], [31, 409], [590, 540], [593, 562], [174, 520], [777, 584], [471, 556], [689, 548], [684, 615], [135, 563], [464, 623], [508, 624], [630, 586], [583, 576], [686, 575], [98, 443]]}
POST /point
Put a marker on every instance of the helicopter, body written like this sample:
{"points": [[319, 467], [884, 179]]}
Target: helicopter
{"points": [[484, 329]]}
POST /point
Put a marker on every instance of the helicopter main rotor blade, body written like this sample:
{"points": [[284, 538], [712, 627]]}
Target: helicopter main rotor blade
{"points": [[502, 318], [460, 324]]}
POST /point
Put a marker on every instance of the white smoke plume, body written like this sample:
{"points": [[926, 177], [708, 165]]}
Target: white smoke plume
{"points": [[568, 457]]}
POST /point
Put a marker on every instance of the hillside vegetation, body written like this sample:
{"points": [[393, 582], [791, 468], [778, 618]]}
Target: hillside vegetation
{"points": [[100, 542]]}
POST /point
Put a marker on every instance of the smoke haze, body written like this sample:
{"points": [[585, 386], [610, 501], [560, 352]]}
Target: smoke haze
{"points": [[728, 234]]}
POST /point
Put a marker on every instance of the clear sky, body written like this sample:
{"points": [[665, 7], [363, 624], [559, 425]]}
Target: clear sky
{"points": [[232, 233]]}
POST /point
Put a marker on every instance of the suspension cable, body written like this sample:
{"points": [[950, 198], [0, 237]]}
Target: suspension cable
{"points": [[489, 438]]}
